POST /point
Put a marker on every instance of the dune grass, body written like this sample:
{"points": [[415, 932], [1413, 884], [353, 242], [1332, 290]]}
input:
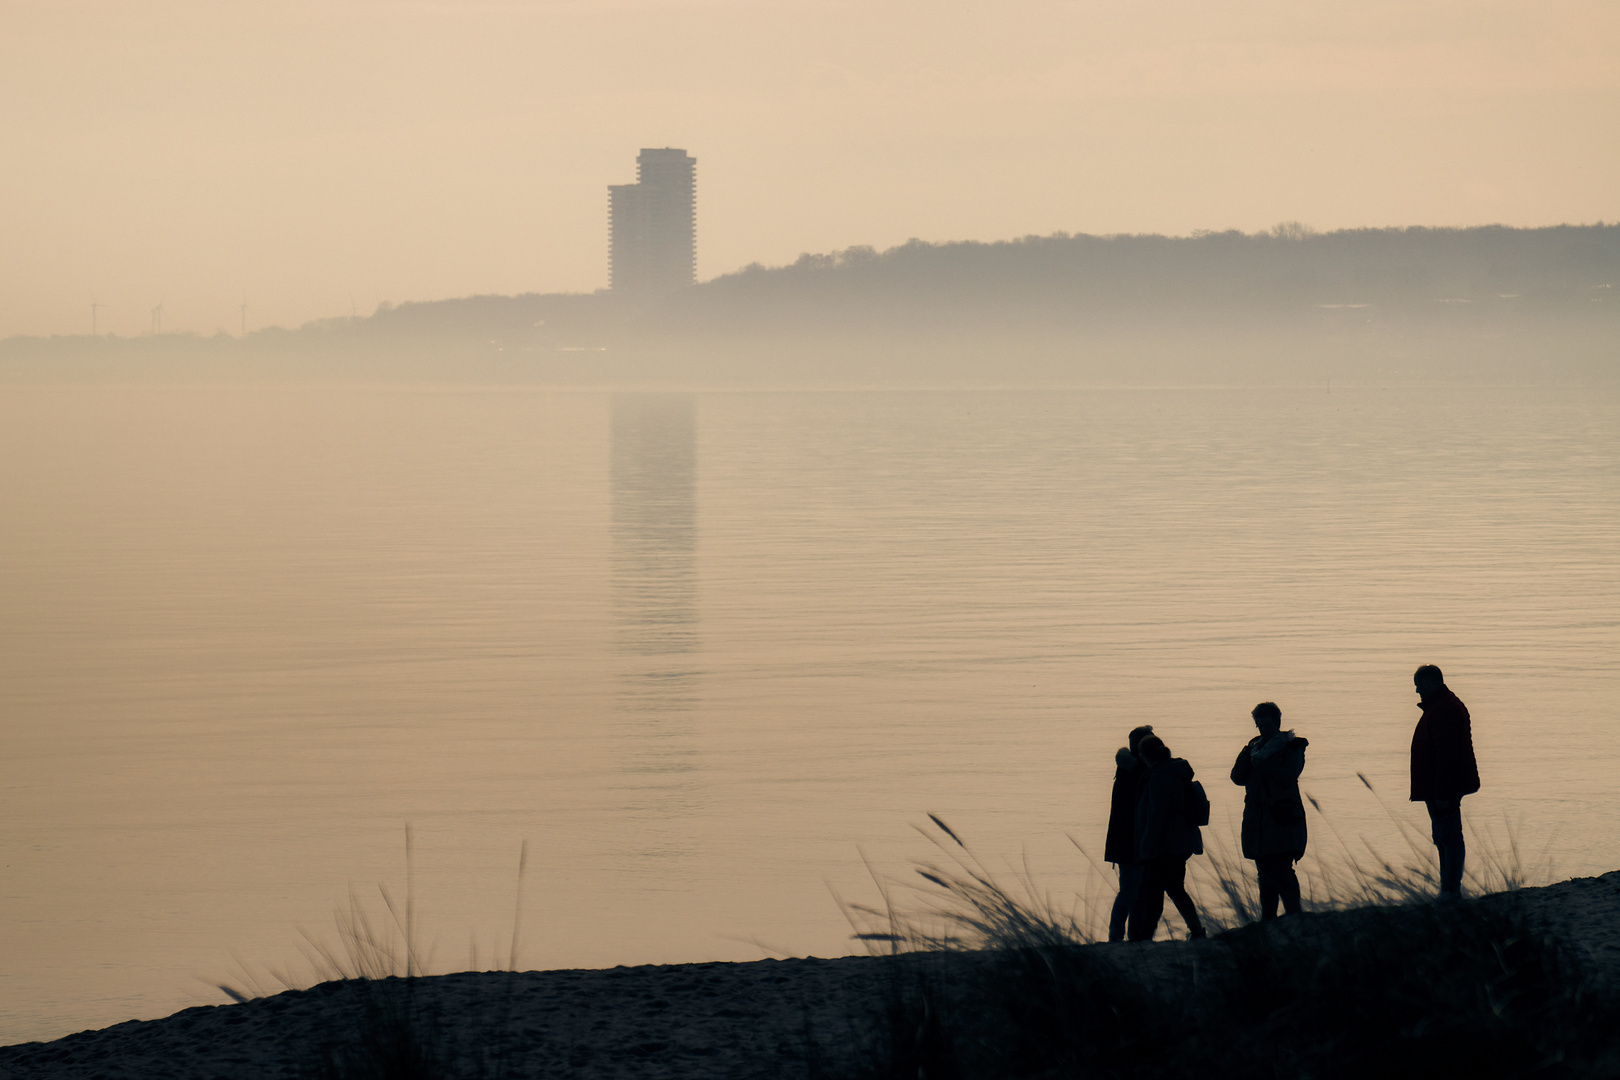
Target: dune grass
{"points": [[994, 978], [388, 1032], [962, 903]]}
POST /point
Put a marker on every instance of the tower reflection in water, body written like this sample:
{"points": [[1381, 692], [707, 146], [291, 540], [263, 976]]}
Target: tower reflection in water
{"points": [[654, 575]]}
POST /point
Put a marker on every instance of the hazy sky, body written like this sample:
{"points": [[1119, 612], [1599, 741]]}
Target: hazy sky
{"points": [[318, 157]]}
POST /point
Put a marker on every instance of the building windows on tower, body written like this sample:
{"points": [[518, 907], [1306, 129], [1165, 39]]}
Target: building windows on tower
{"points": [[652, 226]]}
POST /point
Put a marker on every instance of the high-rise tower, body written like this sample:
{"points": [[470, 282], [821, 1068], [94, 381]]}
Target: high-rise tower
{"points": [[652, 225]]}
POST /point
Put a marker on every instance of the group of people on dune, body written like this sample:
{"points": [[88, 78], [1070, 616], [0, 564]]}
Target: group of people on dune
{"points": [[1158, 809]]}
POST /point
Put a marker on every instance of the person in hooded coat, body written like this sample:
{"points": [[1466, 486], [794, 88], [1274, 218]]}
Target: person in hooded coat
{"points": [[1165, 839], [1443, 771], [1274, 834], [1120, 847]]}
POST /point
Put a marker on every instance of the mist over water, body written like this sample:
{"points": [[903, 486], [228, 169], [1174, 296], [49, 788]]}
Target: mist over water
{"points": [[697, 648]]}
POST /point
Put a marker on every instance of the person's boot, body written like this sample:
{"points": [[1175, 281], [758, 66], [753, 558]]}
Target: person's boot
{"points": [[1451, 871]]}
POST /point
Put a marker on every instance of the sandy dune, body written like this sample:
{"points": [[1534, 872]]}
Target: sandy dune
{"points": [[767, 1018]]}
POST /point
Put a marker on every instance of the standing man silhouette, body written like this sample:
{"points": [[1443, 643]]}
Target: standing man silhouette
{"points": [[1443, 771]]}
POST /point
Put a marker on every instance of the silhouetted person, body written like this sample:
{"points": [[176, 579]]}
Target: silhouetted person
{"points": [[1165, 839], [1443, 771], [1268, 770], [1120, 847]]}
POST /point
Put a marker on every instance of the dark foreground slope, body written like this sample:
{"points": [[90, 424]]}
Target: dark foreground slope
{"points": [[1541, 1008], [684, 1020]]}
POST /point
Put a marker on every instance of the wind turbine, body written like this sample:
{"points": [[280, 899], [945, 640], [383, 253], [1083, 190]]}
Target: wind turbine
{"points": [[157, 319], [95, 308], [244, 314]]}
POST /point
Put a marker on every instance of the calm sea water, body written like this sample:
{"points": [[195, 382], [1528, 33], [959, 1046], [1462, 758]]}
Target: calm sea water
{"points": [[702, 651]]}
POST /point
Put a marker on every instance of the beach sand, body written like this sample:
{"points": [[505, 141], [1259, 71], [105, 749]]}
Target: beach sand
{"points": [[762, 1019]]}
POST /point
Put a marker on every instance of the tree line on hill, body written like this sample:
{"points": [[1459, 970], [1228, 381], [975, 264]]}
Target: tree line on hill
{"points": [[1284, 269], [1380, 303]]}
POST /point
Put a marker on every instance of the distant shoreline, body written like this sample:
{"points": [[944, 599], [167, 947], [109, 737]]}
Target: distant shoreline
{"points": [[1356, 305]]}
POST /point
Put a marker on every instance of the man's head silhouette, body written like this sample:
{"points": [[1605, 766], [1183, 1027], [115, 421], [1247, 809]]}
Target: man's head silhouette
{"points": [[1428, 679]]}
